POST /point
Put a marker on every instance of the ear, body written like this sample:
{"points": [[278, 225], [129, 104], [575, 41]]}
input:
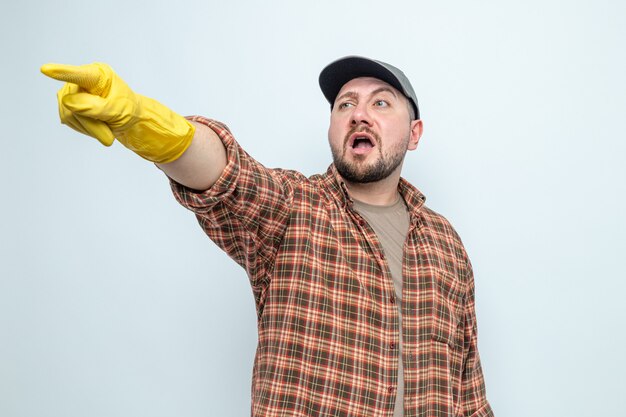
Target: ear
{"points": [[416, 133]]}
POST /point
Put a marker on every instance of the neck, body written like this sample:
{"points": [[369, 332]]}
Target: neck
{"points": [[379, 193]]}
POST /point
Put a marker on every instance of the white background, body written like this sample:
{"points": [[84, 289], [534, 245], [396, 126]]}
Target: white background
{"points": [[114, 303]]}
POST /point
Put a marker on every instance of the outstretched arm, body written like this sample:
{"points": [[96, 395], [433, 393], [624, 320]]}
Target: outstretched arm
{"points": [[97, 102], [201, 164]]}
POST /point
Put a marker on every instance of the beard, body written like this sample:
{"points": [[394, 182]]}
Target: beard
{"points": [[363, 173]]}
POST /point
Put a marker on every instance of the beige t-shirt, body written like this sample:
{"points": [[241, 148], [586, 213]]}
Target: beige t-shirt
{"points": [[391, 224]]}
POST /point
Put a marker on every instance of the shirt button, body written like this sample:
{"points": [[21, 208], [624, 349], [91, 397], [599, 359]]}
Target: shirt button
{"points": [[392, 345], [390, 390], [392, 299]]}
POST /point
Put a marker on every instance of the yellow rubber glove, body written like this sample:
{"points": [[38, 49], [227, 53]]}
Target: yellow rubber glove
{"points": [[97, 102]]}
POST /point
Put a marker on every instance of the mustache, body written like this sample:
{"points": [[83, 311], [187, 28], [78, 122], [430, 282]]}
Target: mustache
{"points": [[361, 129]]}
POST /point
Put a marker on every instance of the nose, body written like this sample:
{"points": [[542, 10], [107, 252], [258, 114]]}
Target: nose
{"points": [[360, 115]]}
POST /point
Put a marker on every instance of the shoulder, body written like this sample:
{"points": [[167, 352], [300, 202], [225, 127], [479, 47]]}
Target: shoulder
{"points": [[441, 234], [438, 222]]}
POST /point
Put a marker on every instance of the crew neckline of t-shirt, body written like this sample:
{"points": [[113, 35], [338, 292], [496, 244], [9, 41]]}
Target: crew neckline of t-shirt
{"points": [[398, 204]]}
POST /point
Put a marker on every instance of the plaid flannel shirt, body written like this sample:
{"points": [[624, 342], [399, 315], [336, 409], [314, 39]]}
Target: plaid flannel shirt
{"points": [[328, 322]]}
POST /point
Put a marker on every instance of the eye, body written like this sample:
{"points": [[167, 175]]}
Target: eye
{"points": [[381, 103], [345, 105]]}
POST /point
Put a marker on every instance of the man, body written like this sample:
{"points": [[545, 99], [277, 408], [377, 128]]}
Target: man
{"points": [[364, 296]]}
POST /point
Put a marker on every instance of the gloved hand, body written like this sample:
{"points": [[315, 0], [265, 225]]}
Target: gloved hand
{"points": [[97, 102]]}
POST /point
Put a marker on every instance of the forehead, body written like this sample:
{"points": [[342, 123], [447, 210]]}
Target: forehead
{"points": [[366, 85]]}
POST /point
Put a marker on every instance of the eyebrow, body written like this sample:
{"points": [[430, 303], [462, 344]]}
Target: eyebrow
{"points": [[381, 89], [352, 94]]}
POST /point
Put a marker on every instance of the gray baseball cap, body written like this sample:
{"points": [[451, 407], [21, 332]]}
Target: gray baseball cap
{"points": [[339, 72]]}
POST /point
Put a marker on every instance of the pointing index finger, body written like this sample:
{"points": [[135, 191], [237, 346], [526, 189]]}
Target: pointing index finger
{"points": [[90, 77]]}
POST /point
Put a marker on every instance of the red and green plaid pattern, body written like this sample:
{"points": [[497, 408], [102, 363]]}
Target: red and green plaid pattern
{"points": [[329, 328]]}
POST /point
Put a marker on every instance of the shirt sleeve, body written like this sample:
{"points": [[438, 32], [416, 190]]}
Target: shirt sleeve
{"points": [[246, 211], [473, 394]]}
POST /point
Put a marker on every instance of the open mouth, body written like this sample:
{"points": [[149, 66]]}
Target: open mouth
{"points": [[361, 141]]}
